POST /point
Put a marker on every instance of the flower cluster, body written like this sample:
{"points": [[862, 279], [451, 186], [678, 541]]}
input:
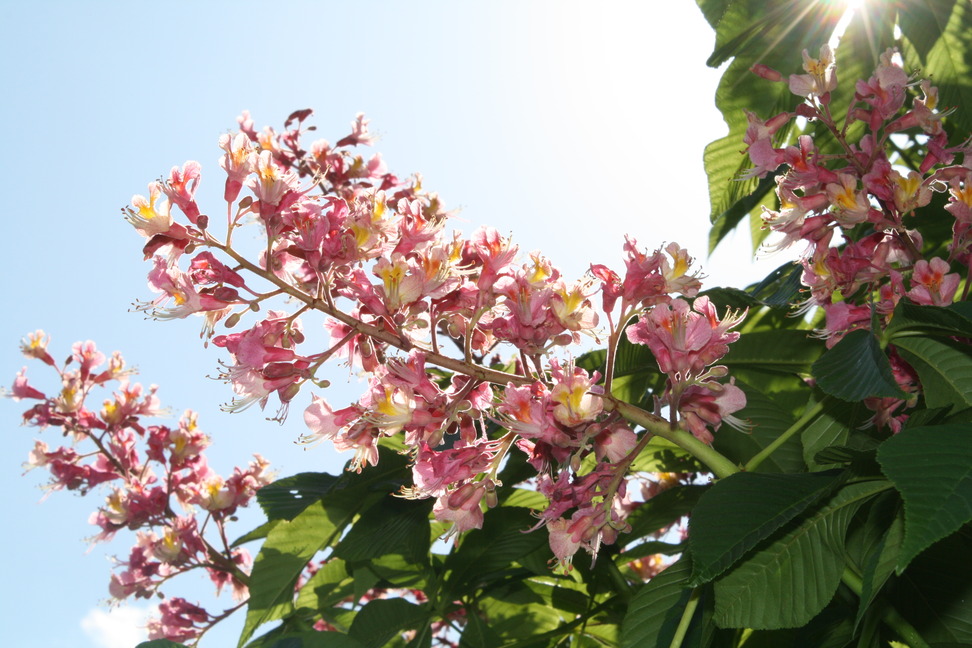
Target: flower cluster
{"points": [[157, 480], [346, 238], [855, 210]]}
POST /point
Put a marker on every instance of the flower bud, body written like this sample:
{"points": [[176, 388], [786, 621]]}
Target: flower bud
{"points": [[766, 72]]}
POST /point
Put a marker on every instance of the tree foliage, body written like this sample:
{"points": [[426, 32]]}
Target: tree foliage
{"points": [[841, 495]]}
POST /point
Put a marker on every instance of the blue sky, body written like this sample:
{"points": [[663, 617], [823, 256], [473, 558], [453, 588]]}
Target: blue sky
{"points": [[565, 124]]}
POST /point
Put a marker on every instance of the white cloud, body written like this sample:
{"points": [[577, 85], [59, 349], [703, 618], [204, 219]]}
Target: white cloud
{"points": [[117, 627]]}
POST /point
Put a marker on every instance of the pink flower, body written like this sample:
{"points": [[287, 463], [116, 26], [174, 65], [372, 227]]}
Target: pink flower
{"points": [[22, 390], [180, 621], [885, 90], [562, 542], [850, 206], [462, 508], [615, 442], [821, 77], [434, 471], [324, 422], [932, 284], [575, 395], [759, 143], [237, 162], [708, 405], [150, 216], [359, 133], [685, 340], [181, 189], [35, 346]]}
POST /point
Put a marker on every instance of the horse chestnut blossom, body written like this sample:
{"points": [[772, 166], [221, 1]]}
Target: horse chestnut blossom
{"points": [[158, 481], [824, 198], [370, 253], [426, 314]]}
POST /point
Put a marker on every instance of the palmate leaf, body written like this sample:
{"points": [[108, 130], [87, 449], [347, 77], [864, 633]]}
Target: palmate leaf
{"points": [[832, 427], [665, 508], [287, 497], [487, 554], [932, 469], [279, 638], [517, 613], [753, 31], [382, 619], [923, 23], [880, 560], [783, 351], [944, 368], [655, 612], [935, 592], [329, 584], [740, 511], [285, 553], [394, 525], [947, 42], [909, 318], [789, 579], [856, 368], [768, 418], [478, 634]]}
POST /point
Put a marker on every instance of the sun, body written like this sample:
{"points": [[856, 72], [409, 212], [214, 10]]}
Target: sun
{"points": [[850, 9]]}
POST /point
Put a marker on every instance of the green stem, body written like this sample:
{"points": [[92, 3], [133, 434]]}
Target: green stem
{"points": [[895, 621], [712, 458], [783, 438], [686, 620]]}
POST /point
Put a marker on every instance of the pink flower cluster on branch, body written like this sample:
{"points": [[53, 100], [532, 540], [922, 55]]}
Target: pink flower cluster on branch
{"points": [[854, 209], [345, 238], [158, 480]]}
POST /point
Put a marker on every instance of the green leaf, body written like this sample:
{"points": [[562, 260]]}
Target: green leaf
{"points": [[783, 351], [285, 553], [923, 23], [932, 469], [518, 612], [789, 580], [477, 633], [160, 643], [743, 509], [329, 584], [944, 368], [311, 639], [655, 611], [856, 368], [399, 571], [832, 427], [769, 420], [526, 498], [935, 592], [935, 320], [285, 498], [948, 62], [882, 558], [663, 509], [394, 525], [783, 283], [380, 620], [487, 554]]}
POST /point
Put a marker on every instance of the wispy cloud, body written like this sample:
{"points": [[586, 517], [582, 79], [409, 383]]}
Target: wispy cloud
{"points": [[117, 627]]}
